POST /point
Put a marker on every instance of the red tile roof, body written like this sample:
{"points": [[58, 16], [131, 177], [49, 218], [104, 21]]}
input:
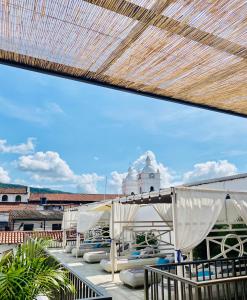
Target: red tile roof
{"points": [[17, 237], [71, 197], [20, 190], [36, 215], [18, 206]]}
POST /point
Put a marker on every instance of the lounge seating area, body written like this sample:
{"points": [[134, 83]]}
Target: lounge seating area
{"points": [[142, 234]]}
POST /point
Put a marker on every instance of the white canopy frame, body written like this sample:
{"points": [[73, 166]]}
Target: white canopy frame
{"points": [[131, 225]]}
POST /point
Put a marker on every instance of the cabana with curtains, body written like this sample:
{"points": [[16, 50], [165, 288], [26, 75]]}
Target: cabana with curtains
{"points": [[70, 217], [194, 213], [197, 211], [91, 217], [190, 213]]}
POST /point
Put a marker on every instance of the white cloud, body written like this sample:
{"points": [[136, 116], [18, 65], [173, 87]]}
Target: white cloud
{"points": [[210, 169], [46, 166], [23, 148], [49, 166], [4, 176], [88, 182], [115, 182]]}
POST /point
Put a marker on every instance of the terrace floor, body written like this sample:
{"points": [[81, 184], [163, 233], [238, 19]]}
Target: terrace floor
{"points": [[98, 277]]}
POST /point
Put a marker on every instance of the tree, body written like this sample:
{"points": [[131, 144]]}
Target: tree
{"points": [[28, 271]]}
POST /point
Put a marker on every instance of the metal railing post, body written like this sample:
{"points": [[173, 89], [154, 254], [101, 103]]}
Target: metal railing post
{"points": [[146, 296]]}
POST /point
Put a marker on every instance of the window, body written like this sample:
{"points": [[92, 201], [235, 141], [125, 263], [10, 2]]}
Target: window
{"points": [[28, 227], [139, 176], [3, 226], [151, 188], [5, 198], [18, 198], [56, 227], [43, 201], [151, 175]]}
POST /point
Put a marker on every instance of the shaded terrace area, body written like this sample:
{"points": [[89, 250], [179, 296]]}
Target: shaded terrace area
{"points": [[98, 277]]}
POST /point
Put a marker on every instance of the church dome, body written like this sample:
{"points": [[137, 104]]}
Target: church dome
{"points": [[131, 176], [149, 168]]}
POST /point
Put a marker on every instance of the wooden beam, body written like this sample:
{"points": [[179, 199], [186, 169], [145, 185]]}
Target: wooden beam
{"points": [[171, 25], [134, 34]]}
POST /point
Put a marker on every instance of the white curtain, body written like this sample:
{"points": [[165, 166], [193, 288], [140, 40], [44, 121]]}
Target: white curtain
{"points": [[164, 210], [196, 213], [229, 213], [240, 202], [121, 212], [88, 219], [69, 219]]}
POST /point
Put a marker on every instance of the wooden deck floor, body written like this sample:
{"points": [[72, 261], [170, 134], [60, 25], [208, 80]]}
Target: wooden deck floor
{"points": [[99, 277]]}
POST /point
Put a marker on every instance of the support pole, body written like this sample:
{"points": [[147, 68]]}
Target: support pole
{"points": [[64, 238], [174, 217], [78, 238], [113, 244], [177, 251]]}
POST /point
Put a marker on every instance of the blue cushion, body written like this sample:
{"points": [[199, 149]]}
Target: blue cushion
{"points": [[162, 261], [206, 273], [135, 253], [98, 245]]}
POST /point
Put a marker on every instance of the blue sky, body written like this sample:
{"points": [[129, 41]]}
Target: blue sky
{"points": [[69, 135]]}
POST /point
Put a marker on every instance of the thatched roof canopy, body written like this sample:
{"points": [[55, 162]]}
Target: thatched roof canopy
{"points": [[187, 51]]}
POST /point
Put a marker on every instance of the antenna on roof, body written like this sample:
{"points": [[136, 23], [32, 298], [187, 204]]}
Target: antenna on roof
{"points": [[105, 187]]}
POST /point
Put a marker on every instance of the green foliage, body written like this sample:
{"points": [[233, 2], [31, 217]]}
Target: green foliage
{"points": [[28, 272], [141, 240]]}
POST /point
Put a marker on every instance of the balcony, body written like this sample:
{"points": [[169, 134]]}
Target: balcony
{"points": [[84, 289], [221, 279]]}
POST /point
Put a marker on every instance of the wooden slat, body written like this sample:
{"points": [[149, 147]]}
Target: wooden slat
{"points": [[135, 33], [147, 16]]}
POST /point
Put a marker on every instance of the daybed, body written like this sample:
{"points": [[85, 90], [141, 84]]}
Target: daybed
{"points": [[103, 253], [95, 256], [135, 277], [127, 263], [81, 251]]}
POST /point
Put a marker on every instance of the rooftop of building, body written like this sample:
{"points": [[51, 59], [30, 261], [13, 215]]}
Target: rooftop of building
{"points": [[67, 197], [17, 237], [7, 207], [36, 215], [13, 190], [219, 179]]}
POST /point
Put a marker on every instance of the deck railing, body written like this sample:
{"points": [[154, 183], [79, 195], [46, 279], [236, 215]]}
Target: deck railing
{"points": [[221, 279], [84, 289]]}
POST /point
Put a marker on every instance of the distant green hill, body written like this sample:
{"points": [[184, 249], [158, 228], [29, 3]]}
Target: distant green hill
{"points": [[32, 189], [46, 191]]}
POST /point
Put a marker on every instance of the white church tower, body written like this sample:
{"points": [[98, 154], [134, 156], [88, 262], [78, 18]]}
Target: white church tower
{"points": [[129, 185], [149, 178]]}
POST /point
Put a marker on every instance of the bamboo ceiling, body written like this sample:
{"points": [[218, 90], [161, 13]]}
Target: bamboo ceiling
{"points": [[188, 51]]}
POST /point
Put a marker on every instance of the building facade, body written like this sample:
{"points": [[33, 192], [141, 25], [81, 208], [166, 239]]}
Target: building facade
{"points": [[147, 180], [14, 194]]}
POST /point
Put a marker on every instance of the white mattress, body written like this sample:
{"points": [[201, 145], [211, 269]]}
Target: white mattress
{"points": [[95, 256], [80, 252], [125, 263], [68, 248], [133, 277]]}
